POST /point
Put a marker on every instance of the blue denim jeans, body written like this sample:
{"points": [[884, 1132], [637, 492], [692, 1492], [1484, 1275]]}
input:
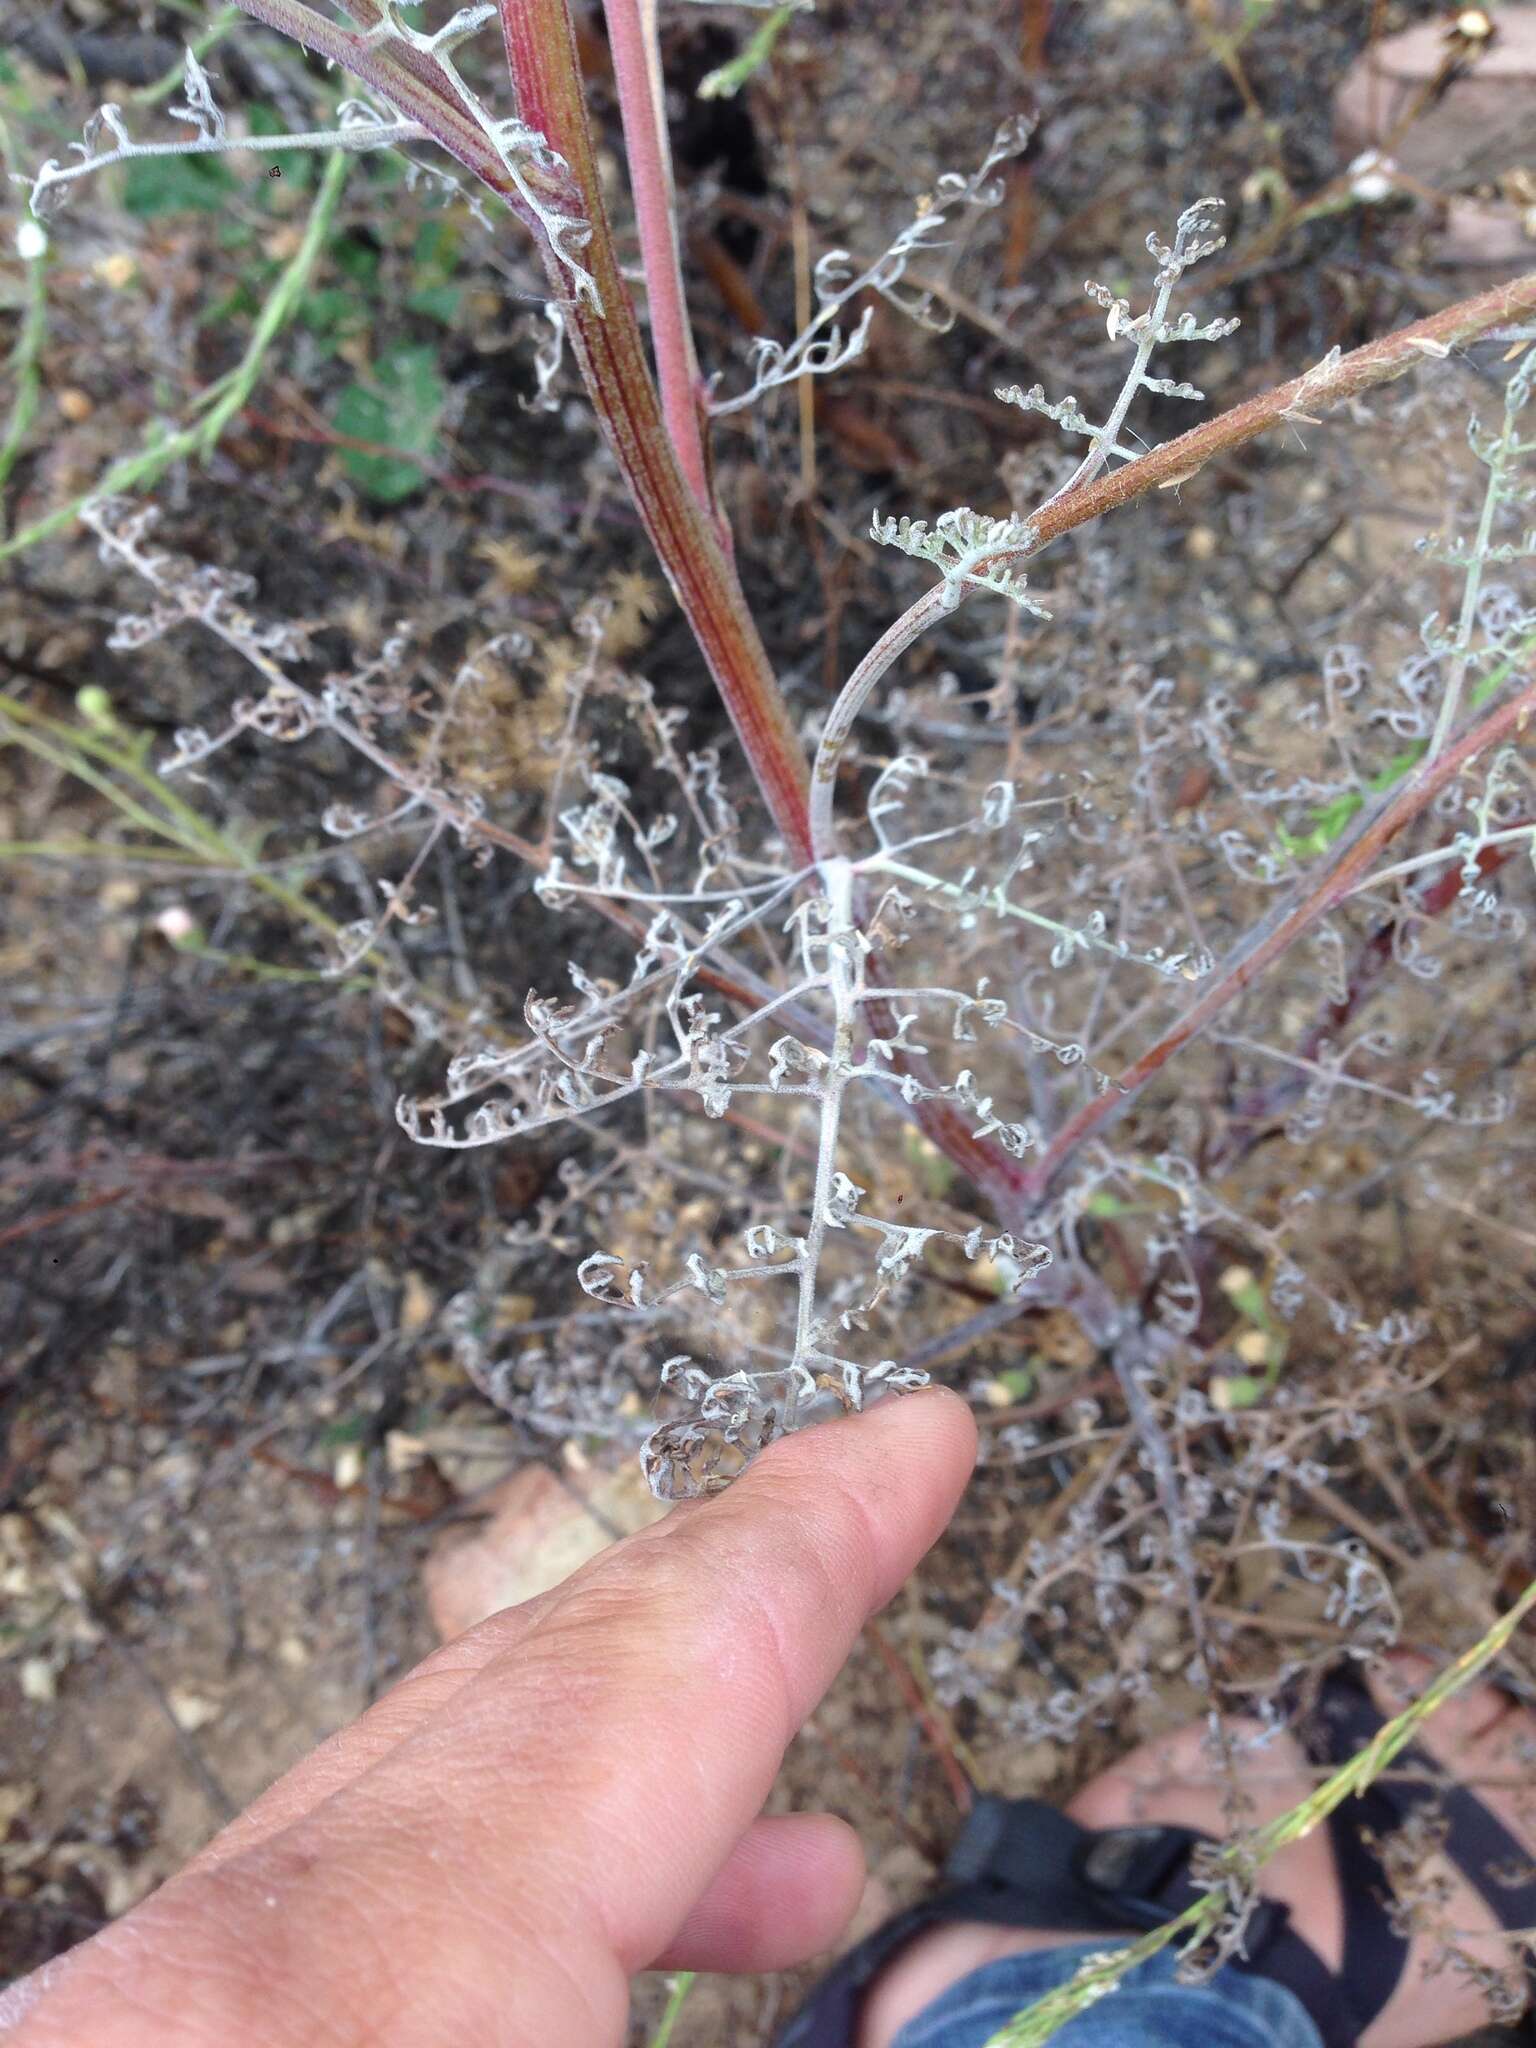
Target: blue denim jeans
{"points": [[1148, 2009]]}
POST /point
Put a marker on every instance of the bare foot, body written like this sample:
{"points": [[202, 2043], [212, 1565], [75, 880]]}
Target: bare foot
{"points": [[1481, 1737]]}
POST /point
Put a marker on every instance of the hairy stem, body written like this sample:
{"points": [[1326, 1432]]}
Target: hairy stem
{"points": [[1450, 703], [843, 987]]}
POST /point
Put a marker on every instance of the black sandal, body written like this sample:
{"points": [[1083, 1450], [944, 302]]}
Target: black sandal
{"points": [[1021, 1863]]}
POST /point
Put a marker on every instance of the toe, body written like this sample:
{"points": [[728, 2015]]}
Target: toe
{"points": [[1104, 1802], [1153, 1783], [1482, 1737], [1177, 1778]]}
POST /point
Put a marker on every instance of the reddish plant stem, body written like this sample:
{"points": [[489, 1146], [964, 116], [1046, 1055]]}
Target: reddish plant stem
{"points": [[1034, 33], [1262, 1104], [1281, 931], [650, 177], [541, 52], [47, 1218], [930, 1722], [1317, 389]]}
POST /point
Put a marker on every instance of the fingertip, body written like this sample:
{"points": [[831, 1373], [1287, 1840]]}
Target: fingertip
{"points": [[831, 1849], [787, 1564], [931, 1431], [937, 1417], [878, 1487], [917, 1450]]}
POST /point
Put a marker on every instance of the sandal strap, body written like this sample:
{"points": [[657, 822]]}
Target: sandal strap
{"points": [[1022, 1863], [1475, 1841], [830, 2015], [1040, 1868], [1131, 1879], [1498, 1867]]}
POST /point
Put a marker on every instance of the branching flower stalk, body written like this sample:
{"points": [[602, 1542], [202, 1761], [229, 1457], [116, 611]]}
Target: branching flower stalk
{"points": [[1315, 391], [357, 130], [416, 75], [821, 347], [847, 1016], [1501, 453], [1350, 865]]}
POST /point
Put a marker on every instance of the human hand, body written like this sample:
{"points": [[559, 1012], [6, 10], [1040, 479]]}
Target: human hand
{"points": [[567, 1794]]}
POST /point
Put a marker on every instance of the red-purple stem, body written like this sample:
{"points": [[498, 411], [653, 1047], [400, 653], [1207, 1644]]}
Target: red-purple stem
{"points": [[650, 178], [541, 52]]}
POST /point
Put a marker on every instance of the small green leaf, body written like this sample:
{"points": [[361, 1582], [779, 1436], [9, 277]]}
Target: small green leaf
{"points": [[728, 80], [333, 311], [436, 247], [436, 302], [244, 297], [1239, 1390], [401, 405], [433, 260], [1249, 1301], [350, 1429], [95, 707]]}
